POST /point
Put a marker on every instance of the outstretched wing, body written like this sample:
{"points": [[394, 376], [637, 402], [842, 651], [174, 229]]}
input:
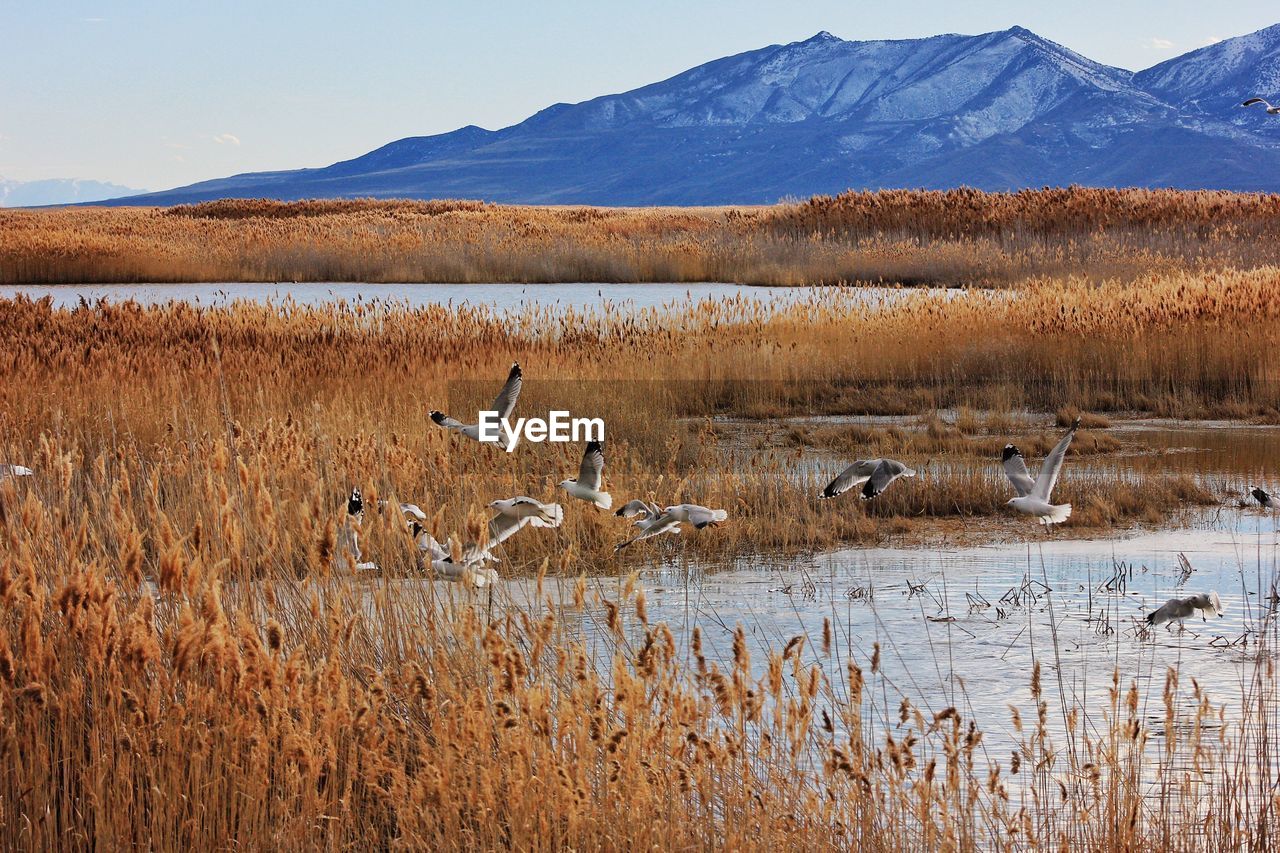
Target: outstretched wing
{"points": [[1015, 468], [661, 524], [1048, 476], [505, 403], [886, 472], [1253, 101], [634, 508], [855, 475], [503, 527], [1216, 602], [445, 421], [592, 468]]}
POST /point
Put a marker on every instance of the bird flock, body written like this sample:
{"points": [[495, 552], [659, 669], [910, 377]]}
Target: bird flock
{"points": [[467, 561]]}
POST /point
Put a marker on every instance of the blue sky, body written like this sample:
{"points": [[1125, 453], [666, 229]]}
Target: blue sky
{"points": [[158, 94]]}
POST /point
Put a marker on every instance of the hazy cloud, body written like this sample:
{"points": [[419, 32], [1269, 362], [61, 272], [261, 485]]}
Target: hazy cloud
{"points": [[1157, 43], [227, 139], [93, 20]]}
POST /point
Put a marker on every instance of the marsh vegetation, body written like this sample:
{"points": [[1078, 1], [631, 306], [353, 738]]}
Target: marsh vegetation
{"points": [[181, 662]]}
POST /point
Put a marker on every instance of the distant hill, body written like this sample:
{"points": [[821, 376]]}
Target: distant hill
{"points": [[57, 191], [999, 111]]}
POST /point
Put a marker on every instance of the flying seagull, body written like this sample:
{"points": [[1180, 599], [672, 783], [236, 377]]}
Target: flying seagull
{"points": [[521, 508], [504, 405], [698, 516], [653, 521], [1034, 495], [467, 564], [587, 486], [1275, 111], [1177, 609], [874, 475], [471, 570], [1267, 500], [7, 470]]}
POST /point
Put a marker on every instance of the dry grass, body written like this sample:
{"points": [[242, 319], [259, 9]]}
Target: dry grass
{"points": [[182, 665], [961, 237]]}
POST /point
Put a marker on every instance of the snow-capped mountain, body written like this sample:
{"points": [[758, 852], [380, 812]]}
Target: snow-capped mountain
{"points": [[1213, 80], [1002, 110], [57, 191]]}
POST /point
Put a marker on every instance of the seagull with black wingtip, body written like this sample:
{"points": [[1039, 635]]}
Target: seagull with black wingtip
{"points": [[504, 405], [1034, 495]]}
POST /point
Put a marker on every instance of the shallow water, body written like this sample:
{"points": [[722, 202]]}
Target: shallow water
{"points": [[503, 297], [963, 626]]}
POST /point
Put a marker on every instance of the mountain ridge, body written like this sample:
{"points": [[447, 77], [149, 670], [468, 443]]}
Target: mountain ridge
{"points": [[999, 110]]}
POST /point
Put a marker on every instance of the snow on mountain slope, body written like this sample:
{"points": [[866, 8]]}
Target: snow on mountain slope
{"points": [[1215, 79]]}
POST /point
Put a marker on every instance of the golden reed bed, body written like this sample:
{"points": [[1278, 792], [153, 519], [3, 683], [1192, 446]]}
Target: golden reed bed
{"points": [[182, 667], [958, 237]]}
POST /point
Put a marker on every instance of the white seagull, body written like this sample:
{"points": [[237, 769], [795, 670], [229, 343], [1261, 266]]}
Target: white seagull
{"points": [[698, 516], [7, 470], [1034, 495], [442, 563], [468, 564], [504, 405], [653, 521], [1267, 500], [1177, 609], [587, 486], [521, 508], [1275, 111], [874, 475]]}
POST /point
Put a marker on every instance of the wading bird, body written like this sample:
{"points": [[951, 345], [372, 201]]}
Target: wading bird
{"points": [[874, 475], [504, 405], [1177, 609], [1274, 111], [587, 486], [1034, 495], [349, 535]]}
